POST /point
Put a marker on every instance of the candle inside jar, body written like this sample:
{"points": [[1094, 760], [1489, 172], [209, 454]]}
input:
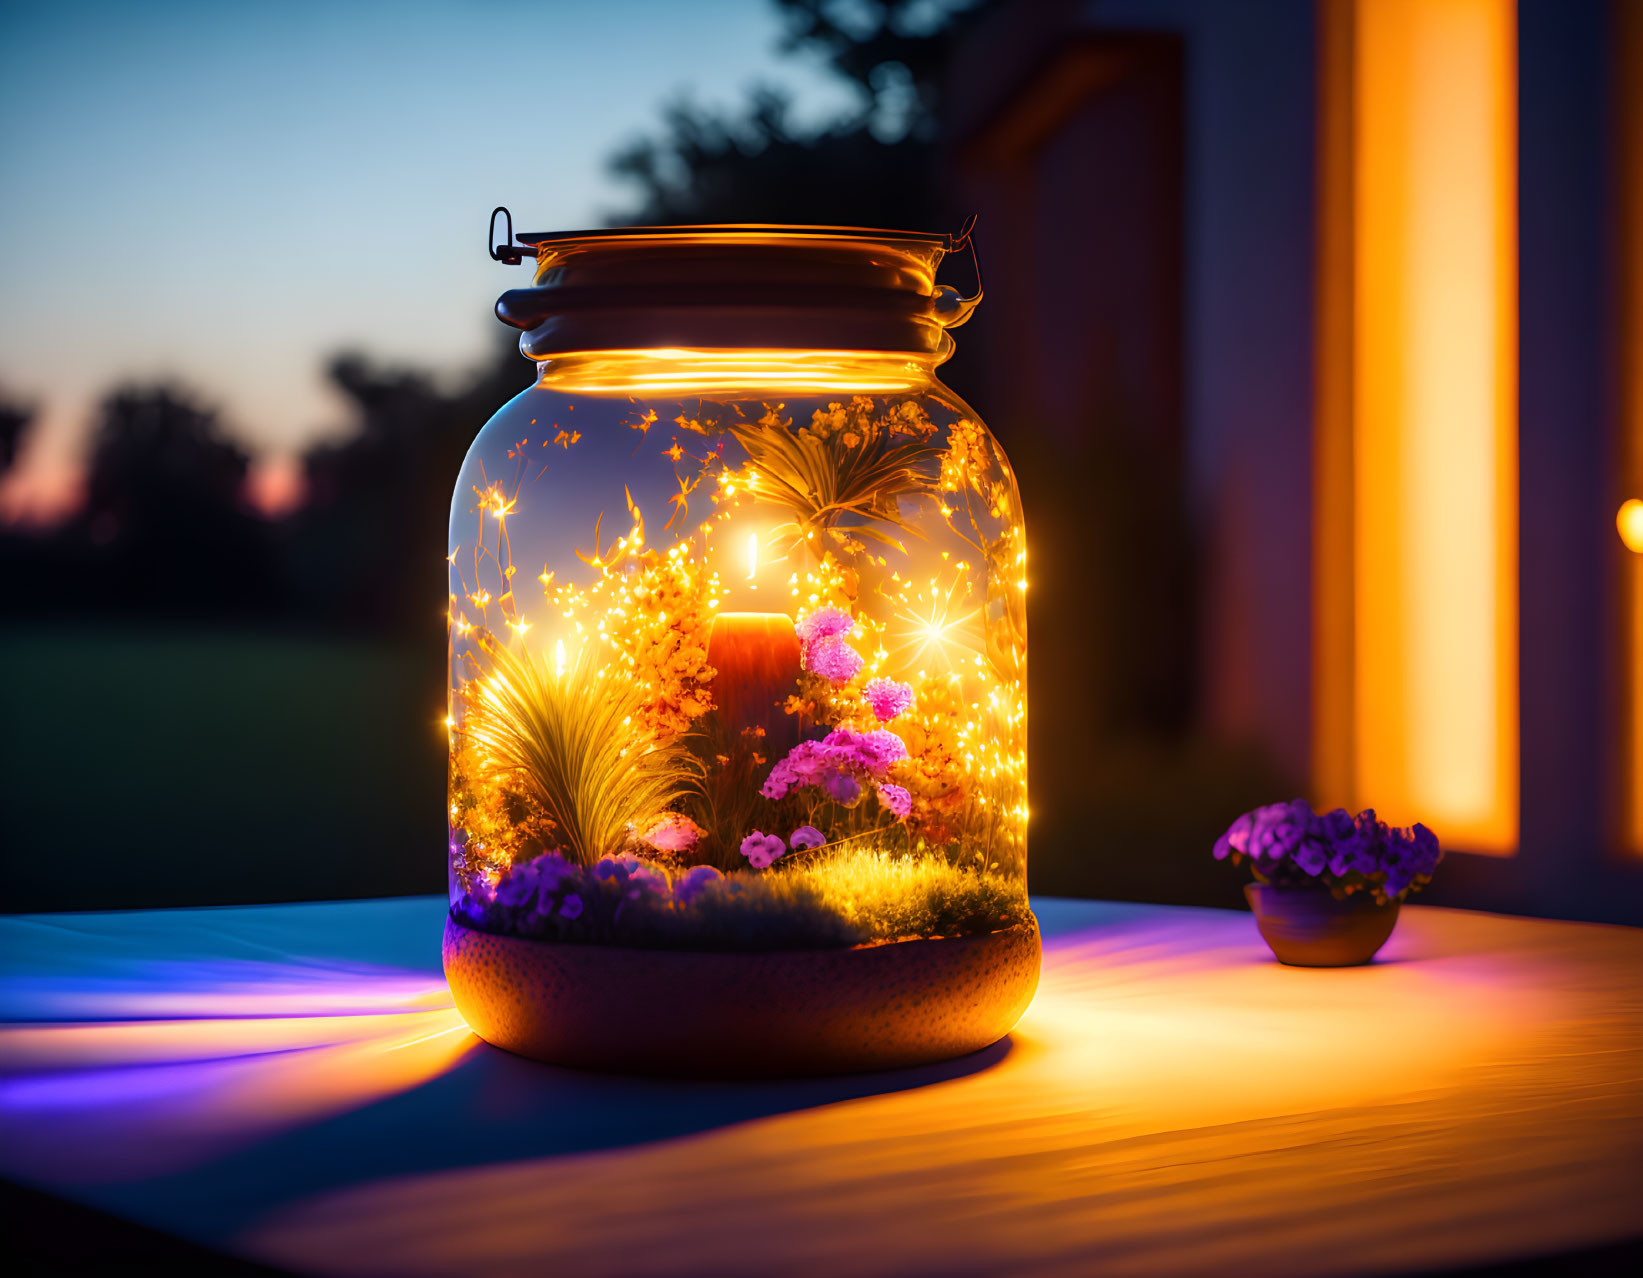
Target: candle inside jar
{"points": [[755, 658]]}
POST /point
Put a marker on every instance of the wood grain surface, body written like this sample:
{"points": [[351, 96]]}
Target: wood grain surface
{"points": [[289, 1084]]}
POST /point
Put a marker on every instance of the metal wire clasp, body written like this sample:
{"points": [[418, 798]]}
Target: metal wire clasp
{"points": [[507, 251], [951, 308]]}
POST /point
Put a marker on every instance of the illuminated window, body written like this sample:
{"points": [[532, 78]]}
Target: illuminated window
{"points": [[1417, 494], [1629, 519]]}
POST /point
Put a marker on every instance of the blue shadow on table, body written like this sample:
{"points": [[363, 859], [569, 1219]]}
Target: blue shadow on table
{"points": [[235, 1058]]}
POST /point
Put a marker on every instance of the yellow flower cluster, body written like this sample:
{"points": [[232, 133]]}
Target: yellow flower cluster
{"points": [[502, 824], [860, 421], [654, 610], [967, 459]]}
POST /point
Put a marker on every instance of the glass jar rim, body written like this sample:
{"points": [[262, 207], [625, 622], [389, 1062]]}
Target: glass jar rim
{"points": [[737, 285], [733, 230]]}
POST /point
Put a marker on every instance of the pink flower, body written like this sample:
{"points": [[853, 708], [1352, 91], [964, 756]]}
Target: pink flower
{"points": [[832, 659], [761, 850], [673, 833], [888, 698], [897, 800], [824, 623], [802, 766], [843, 789], [805, 837], [878, 750]]}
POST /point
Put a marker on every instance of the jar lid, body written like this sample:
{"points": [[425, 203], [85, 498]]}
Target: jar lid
{"points": [[734, 286]]}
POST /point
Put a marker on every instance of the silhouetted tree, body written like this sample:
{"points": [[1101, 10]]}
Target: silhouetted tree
{"points": [[897, 53], [15, 419], [876, 167], [165, 506], [157, 453]]}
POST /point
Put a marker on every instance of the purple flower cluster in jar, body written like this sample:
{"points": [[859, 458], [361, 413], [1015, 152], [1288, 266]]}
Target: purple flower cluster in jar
{"points": [[764, 850], [841, 763], [1289, 844], [551, 892], [822, 649]]}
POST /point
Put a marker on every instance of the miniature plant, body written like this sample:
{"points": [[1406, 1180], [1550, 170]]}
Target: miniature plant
{"points": [[1289, 845], [562, 740], [842, 472]]}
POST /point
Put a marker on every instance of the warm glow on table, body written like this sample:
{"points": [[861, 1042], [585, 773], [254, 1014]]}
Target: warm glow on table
{"points": [[1174, 1102], [1434, 417]]}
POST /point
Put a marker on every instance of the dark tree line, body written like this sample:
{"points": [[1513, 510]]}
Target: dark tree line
{"points": [[167, 532]]}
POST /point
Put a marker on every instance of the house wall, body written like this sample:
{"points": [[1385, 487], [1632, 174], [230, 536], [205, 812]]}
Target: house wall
{"points": [[1074, 342]]}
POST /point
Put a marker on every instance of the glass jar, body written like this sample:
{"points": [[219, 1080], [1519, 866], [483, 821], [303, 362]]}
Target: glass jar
{"points": [[738, 667]]}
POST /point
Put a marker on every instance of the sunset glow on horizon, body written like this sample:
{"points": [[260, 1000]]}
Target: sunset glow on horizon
{"points": [[248, 190]]}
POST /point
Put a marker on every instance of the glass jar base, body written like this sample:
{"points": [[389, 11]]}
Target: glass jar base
{"points": [[787, 1014]]}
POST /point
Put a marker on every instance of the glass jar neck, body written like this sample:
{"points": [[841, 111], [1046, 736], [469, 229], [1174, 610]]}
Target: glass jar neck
{"points": [[672, 372], [738, 290]]}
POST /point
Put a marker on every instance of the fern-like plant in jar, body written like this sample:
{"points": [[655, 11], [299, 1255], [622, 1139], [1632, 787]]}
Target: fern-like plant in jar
{"points": [[738, 667]]}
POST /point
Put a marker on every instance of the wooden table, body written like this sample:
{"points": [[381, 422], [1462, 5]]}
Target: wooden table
{"points": [[291, 1084]]}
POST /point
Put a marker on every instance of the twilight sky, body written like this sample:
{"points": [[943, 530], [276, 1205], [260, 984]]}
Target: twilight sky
{"points": [[211, 191]]}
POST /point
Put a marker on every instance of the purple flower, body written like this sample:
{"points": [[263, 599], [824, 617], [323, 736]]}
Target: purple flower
{"points": [[806, 837], [762, 850], [873, 751], [555, 869], [1408, 855], [518, 886], [832, 761], [1312, 855], [1334, 827], [1279, 829], [804, 765], [571, 906], [887, 698], [832, 659], [1287, 840], [1236, 839], [694, 883], [617, 868], [897, 800], [1397, 862], [1358, 848], [824, 623], [842, 788], [878, 750], [648, 878], [1426, 852]]}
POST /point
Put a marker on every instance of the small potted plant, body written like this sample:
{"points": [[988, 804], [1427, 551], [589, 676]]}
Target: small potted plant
{"points": [[1327, 885]]}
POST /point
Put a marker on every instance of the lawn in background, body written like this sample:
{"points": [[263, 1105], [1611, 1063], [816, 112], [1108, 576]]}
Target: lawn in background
{"points": [[143, 769]]}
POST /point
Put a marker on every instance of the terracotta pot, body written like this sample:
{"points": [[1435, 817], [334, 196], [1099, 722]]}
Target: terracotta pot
{"points": [[761, 1014], [1308, 927]]}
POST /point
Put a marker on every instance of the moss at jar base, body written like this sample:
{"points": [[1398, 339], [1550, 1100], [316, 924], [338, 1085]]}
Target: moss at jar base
{"points": [[743, 1015]]}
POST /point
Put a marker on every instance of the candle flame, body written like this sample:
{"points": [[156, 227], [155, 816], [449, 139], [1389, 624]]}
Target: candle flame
{"points": [[752, 556]]}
